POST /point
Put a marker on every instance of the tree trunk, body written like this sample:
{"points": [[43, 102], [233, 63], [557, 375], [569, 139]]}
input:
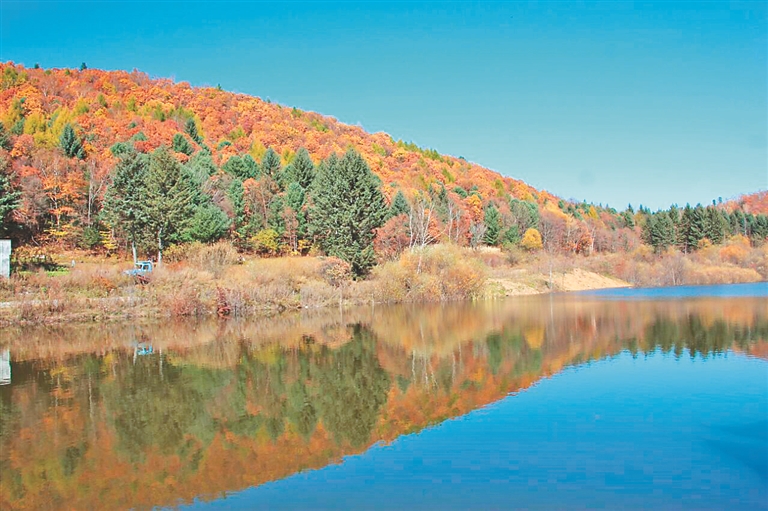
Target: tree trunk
{"points": [[160, 247], [551, 284]]}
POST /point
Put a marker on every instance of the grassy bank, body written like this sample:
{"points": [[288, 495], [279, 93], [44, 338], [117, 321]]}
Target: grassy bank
{"points": [[734, 262], [210, 280], [203, 280]]}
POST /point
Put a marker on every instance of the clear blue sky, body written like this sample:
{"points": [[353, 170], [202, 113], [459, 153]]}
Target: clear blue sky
{"points": [[612, 102]]}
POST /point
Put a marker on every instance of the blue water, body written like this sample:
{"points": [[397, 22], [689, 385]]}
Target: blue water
{"points": [[754, 289], [652, 432]]}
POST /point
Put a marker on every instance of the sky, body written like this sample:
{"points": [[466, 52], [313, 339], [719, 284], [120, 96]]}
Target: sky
{"points": [[610, 102]]}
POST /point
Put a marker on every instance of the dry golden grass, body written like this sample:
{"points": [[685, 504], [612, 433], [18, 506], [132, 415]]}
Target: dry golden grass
{"points": [[206, 280]]}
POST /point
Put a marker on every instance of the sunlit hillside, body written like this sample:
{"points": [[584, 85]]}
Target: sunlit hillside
{"points": [[107, 107], [245, 171]]}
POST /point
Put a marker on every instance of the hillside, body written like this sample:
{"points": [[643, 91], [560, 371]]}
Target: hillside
{"points": [[212, 165], [107, 107]]}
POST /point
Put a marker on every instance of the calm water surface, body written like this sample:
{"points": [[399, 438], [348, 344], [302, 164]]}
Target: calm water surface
{"points": [[658, 399]]}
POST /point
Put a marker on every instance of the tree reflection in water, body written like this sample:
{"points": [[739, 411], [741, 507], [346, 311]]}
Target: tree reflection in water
{"points": [[217, 407]]}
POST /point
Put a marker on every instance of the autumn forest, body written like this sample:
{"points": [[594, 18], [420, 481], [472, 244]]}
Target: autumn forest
{"points": [[119, 163]]}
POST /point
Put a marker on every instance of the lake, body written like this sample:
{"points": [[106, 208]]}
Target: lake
{"points": [[618, 398]]}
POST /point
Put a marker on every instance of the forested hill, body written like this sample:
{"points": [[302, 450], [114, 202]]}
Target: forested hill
{"points": [[108, 160], [110, 107]]}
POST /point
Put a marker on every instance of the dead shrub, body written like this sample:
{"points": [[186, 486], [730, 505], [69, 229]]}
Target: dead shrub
{"points": [[213, 258], [184, 292], [758, 260], [492, 257], [436, 273], [514, 255], [698, 274], [336, 272], [273, 295], [317, 294], [643, 253], [185, 302]]}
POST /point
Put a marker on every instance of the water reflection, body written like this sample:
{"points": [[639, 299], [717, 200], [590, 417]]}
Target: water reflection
{"points": [[139, 416], [5, 367]]}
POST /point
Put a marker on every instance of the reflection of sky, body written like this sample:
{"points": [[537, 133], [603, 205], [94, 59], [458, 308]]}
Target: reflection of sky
{"points": [[650, 432], [753, 289]]}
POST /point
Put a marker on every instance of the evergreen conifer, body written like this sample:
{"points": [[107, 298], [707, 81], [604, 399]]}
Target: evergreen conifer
{"points": [[347, 208]]}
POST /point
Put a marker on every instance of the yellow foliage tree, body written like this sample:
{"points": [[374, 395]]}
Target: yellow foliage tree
{"points": [[107, 240], [266, 242], [532, 240]]}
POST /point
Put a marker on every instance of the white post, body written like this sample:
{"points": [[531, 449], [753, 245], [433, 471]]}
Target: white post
{"points": [[5, 258]]}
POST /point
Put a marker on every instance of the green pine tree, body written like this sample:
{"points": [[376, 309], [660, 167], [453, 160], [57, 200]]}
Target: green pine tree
{"points": [[190, 127], [70, 143], [236, 195], [347, 208], [182, 145], [628, 219], [125, 207], [201, 166], [759, 229], [170, 199], [9, 201], [492, 222], [295, 197], [660, 231], [692, 227], [301, 170], [209, 223], [270, 164], [275, 218], [511, 236], [715, 225], [5, 138], [738, 223], [399, 205], [525, 214], [243, 168]]}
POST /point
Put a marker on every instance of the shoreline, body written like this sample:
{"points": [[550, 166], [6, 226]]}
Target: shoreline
{"points": [[90, 311], [111, 309], [216, 282]]}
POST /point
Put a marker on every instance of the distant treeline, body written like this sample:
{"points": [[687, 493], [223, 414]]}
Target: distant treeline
{"points": [[691, 227]]}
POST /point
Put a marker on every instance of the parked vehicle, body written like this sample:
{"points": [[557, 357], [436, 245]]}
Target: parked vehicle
{"points": [[141, 272]]}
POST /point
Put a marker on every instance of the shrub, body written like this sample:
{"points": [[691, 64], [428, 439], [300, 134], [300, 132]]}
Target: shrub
{"points": [[317, 294], [513, 254], [266, 242], [736, 250], [392, 238], [213, 258], [90, 237], [336, 272], [28, 258], [436, 273]]}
